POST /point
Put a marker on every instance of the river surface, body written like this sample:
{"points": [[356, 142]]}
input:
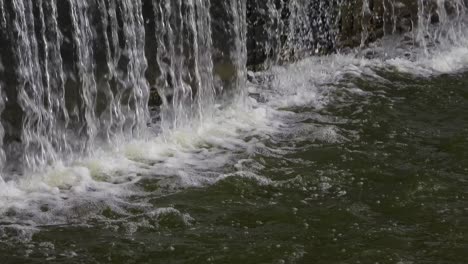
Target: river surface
{"points": [[336, 159]]}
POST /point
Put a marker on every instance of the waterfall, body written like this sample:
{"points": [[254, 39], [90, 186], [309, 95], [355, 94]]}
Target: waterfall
{"points": [[134, 81], [365, 21], [239, 56], [452, 17], [423, 23], [185, 60], [300, 36], [83, 38], [126, 113], [82, 76], [184, 46], [86, 73], [275, 30], [441, 21], [40, 135], [2, 131], [111, 116], [389, 19], [2, 14], [2, 96]]}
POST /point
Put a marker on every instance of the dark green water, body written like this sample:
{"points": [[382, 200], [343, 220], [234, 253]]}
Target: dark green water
{"points": [[390, 186]]}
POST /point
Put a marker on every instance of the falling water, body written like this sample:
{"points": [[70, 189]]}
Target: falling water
{"points": [[2, 132], [452, 15], [2, 14], [390, 18], [365, 21], [300, 36], [34, 95], [239, 56], [111, 116], [441, 21], [275, 30], [199, 24], [185, 80], [2, 96], [83, 40], [131, 99], [54, 76]]}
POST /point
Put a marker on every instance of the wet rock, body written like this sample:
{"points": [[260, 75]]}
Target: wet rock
{"points": [[364, 21], [286, 30], [333, 25]]}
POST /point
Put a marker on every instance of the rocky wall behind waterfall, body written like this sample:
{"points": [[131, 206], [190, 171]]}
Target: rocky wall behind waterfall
{"points": [[287, 30], [76, 73]]}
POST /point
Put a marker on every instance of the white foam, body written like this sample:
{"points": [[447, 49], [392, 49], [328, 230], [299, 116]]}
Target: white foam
{"points": [[449, 61], [191, 156], [443, 61]]}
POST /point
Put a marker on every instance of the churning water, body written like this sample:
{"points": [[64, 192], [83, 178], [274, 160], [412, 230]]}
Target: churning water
{"points": [[356, 157]]}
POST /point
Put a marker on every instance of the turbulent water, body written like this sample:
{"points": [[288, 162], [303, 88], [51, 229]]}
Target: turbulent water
{"points": [[346, 158]]}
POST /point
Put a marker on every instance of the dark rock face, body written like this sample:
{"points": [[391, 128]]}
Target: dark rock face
{"points": [[257, 22], [285, 30], [363, 22], [274, 27], [226, 32]]}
